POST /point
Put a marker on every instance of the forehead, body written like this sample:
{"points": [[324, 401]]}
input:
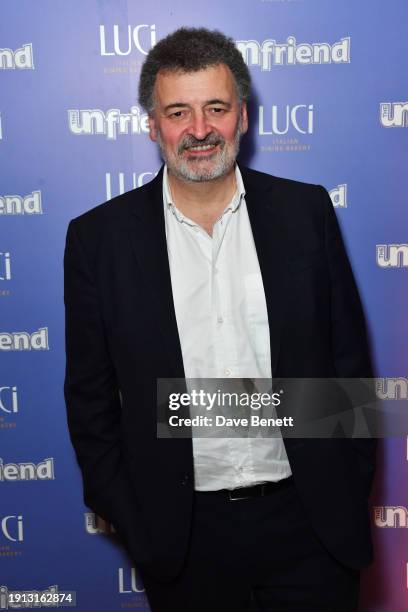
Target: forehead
{"points": [[211, 83]]}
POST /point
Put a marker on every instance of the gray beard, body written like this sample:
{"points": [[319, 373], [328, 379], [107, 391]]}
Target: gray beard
{"points": [[183, 170]]}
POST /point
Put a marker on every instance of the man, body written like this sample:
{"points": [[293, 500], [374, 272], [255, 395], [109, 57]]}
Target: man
{"points": [[215, 271]]}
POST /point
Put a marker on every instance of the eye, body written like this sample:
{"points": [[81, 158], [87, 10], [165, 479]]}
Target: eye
{"points": [[217, 110], [177, 114]]}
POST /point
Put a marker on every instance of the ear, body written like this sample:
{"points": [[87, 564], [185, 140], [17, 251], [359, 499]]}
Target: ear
{"points": [[152, 127], [244, 117]]}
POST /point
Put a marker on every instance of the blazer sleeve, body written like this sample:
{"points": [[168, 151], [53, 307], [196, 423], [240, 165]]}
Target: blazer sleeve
{"points": [[350, 346], [93, 399]]}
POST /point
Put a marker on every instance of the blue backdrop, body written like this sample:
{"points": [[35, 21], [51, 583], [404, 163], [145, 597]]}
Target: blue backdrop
{"points": [[330, 106]]}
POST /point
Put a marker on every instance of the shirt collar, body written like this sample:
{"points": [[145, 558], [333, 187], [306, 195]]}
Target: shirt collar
{"points": [[233, 205]]}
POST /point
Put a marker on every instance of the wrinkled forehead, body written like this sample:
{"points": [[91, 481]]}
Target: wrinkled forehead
{"points": [[215, 81]]}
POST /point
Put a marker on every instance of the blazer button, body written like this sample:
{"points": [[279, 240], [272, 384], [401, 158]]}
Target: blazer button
{"points": [[185, 479]]}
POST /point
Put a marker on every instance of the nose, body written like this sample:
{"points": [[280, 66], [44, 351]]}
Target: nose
{"points": [[199, 127]]}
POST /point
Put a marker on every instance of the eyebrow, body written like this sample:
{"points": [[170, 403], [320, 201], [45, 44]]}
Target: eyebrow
{"points": [[218, 101], [207, 103]]}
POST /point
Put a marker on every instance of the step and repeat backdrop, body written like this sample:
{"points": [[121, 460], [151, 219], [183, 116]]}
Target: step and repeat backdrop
{"points": [[329, 106]]}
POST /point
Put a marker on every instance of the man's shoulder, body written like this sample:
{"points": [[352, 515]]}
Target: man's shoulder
{"points": [[289, 196], [117, 210], [263, 180]]}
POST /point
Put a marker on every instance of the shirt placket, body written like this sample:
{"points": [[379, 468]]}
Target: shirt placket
{"points": [[239, 451], [219, 281]]}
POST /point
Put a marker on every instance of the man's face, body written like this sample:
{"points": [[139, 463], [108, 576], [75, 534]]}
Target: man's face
{"points": [[197, 122]]}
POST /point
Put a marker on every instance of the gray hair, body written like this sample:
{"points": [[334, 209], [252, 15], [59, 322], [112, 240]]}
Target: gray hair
{"points": [[190, 50]]}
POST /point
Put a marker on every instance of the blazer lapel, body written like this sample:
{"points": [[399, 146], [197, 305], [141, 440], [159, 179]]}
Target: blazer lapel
{"points": [[269, 237], [148, 238]]}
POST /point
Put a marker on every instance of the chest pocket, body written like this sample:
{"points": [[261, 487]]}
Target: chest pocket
{"points": [[257, 317]]}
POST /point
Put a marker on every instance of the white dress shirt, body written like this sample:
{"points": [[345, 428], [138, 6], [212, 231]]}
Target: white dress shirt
{"points": [[223, 326]]}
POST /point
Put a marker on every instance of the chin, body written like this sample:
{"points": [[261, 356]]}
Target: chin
{"points": [[209, 175]]}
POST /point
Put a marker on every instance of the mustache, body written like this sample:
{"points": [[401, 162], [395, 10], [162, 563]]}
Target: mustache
{"points": [[190, 141]]}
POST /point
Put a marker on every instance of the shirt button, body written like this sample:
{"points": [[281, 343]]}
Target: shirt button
{"points": [[228, 372], [220, 320]]}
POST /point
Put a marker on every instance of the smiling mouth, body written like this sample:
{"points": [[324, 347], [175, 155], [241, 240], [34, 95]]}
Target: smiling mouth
{"points": [[208, 147], [201, 148], [204, 151]]}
